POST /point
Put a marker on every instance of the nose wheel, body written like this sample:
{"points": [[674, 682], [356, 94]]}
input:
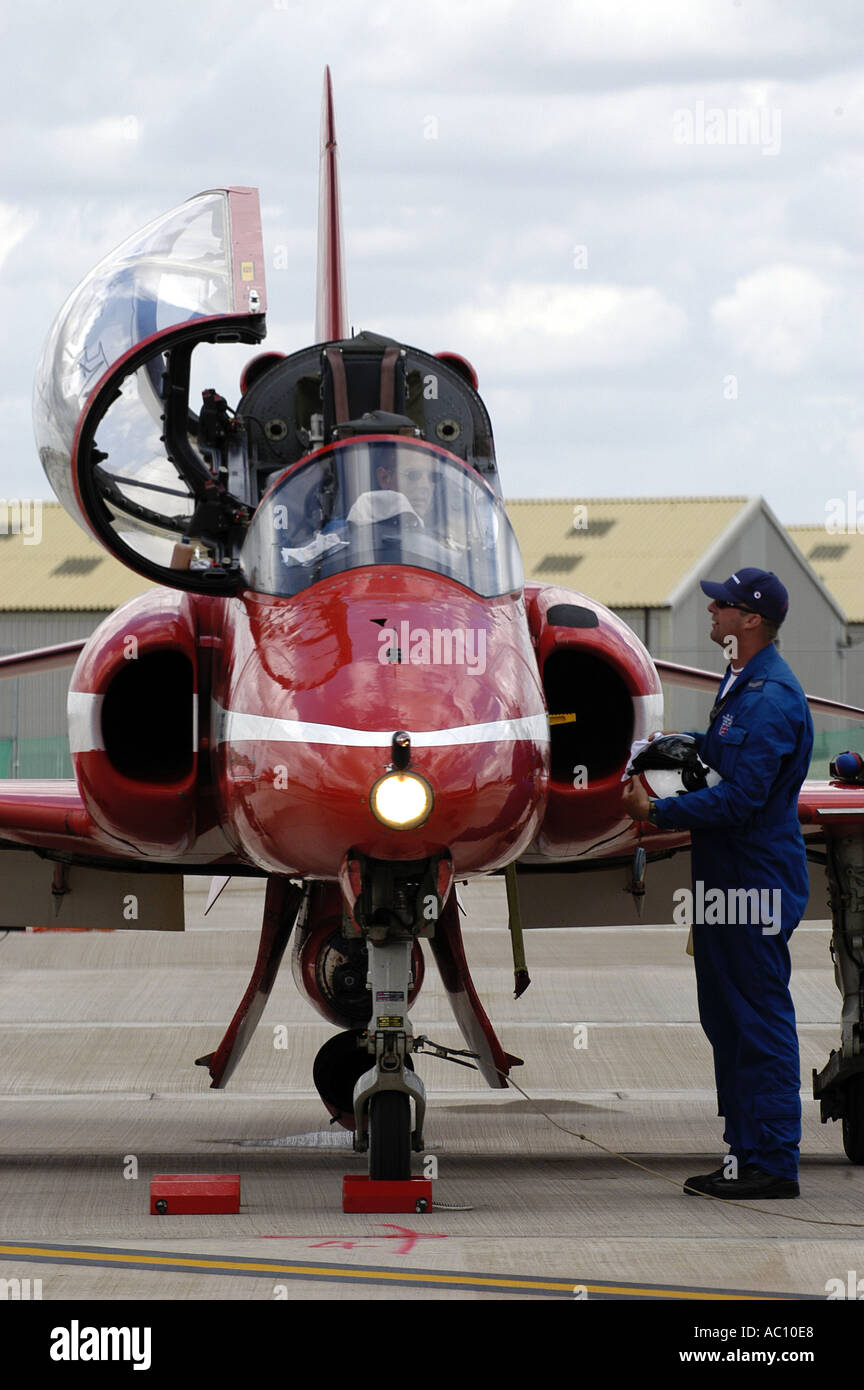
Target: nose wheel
{"points": [[390, 1136], [389, 905], [853, 1119], [385, 1095]]}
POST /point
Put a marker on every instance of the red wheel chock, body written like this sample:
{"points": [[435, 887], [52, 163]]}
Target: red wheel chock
{"points": [[194, 1194], [380, 1194]]}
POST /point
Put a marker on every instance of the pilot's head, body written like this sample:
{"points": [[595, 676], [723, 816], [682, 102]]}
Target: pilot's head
{"points": [[414, 477]]}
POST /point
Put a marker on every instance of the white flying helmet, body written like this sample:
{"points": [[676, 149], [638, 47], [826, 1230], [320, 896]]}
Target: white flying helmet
{"points": [[669, 766]]}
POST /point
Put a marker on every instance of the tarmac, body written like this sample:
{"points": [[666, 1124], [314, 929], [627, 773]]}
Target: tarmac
{"points": [[100, 1031]]}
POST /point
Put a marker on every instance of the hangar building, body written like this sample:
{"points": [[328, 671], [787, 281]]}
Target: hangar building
{"points": [[644, 557]]}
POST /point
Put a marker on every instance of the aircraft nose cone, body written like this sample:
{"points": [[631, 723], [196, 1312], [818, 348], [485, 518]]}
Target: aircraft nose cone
{"points": [[331, 679], [299, 805]]}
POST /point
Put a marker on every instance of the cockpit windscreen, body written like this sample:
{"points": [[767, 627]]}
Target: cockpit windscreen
{"points": [[377, 502]]}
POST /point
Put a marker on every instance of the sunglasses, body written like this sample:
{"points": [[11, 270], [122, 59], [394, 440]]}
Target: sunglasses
{"points": [[726, 603]]}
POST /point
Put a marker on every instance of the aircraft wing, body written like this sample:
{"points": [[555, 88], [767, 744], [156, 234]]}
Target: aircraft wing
{"points": [[47, 814], [41, 659], [831, 804], [59, 868], [694, 679]]}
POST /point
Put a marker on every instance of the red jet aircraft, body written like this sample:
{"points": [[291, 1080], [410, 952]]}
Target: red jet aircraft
{"points": [[343, 685]]}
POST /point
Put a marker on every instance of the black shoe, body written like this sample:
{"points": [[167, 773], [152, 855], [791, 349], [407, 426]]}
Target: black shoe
{"points": [[699, 1183], [751, 1184]]}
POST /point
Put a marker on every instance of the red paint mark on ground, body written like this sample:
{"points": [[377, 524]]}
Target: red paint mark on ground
{"points": [[407, 1238]]}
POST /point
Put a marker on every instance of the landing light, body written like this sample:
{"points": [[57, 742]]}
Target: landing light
{"points": [[401, 800]]}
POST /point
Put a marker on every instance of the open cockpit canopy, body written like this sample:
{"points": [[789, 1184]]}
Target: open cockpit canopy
{"points": [[171, 486], [123, 451]]}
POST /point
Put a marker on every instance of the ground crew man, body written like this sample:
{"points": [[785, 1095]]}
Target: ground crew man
{"points": [[745, 834]]}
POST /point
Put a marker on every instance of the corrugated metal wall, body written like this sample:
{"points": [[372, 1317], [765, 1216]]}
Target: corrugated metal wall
{"points": [[33, 735]]}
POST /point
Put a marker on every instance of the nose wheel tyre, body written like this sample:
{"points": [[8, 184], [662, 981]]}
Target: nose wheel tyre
{"points": [[390, 1136], [853, 1120]]}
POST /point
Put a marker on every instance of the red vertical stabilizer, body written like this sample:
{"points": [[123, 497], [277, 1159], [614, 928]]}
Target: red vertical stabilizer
{"points": [[331, 301]]}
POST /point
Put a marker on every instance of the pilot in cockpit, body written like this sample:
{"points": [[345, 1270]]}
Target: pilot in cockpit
{"points": [[402, 500], [415, 478], [405, 489]]}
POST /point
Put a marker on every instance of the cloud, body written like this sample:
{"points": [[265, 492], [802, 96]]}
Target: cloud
{"points": [[588, 42], [542, 326], [775, 317], [15, 224], [383, 240], [552, 130]]}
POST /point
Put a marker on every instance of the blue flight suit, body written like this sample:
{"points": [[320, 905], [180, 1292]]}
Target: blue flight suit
{"points": [[745, 834]]}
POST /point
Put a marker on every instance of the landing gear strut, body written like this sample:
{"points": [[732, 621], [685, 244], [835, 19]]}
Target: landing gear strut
{"points": [[839, 1087], [384, 1094], [390, 905]]}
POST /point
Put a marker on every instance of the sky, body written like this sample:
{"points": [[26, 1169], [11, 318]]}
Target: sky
{"points": [[640, 220]]}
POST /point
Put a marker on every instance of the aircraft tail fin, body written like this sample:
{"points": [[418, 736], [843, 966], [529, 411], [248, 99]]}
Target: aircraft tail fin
{"points": [[331, 301]]}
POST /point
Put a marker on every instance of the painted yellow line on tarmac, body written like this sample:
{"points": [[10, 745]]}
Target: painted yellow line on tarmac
{"points": [[381, 1275]]}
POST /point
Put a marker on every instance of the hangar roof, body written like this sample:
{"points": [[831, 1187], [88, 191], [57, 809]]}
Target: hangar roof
{"points": [[631, 552], [47, 563], [838, 559]]}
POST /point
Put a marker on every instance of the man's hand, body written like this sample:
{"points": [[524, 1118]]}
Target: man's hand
{"points": [[635, 799]]}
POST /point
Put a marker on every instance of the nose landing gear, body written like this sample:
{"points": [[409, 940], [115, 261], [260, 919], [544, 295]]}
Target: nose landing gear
{"points": [[839, 1087], [390, 906], [384, 1094]]}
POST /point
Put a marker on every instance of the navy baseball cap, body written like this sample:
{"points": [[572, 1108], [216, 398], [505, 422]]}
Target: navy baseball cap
{"points": [[760, 590]]}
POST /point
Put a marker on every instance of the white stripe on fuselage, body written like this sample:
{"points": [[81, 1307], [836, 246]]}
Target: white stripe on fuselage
{"points": [[85, 732], [234, 727]]}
